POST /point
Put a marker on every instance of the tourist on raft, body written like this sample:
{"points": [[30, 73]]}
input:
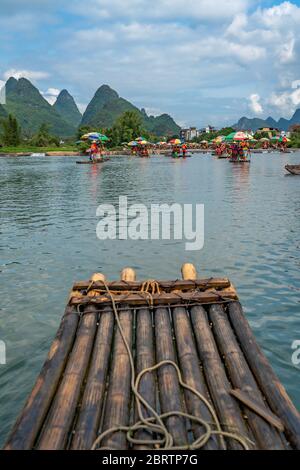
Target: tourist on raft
{"points": [[94, 150]]}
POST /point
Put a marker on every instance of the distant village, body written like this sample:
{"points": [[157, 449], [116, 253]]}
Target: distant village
{"points": [[192, 133]]}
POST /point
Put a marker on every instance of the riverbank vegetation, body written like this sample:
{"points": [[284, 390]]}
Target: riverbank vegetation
{"points": [[126, 128]]}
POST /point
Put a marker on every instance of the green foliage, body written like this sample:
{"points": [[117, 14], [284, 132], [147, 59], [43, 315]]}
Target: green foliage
{"points": [[84, 130], [295, 137], [127, 127], [11, 135], [43, 138]]}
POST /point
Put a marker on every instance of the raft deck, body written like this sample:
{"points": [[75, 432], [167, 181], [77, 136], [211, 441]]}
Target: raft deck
{"points": [[84, 388]]}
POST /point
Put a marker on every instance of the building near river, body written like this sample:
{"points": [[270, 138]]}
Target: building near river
{"points": [[193, 133]]}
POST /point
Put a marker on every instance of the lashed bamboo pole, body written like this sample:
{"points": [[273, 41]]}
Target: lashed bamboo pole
{"points": [[192, 373], [28, 425], [59, 421], [117, 407], [241, 377], [189, 284], [92, 402], [145, 358], [275, 393], [219, 387], [173, 298], [170, 398]]}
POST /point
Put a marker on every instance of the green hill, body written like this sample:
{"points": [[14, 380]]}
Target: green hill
{"points": [[66, 107], [107, 106], [25, 102], [3, 113], [257, 123]]}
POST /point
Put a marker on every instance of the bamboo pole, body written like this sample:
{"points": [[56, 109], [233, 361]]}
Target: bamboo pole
{"points": [[92, 403], [169, 388], [212, 283], [59, 422], [117, 408], [241, 378], [128, 275], [276, 395], [173, 298], [189, 272], [192, 373], [29, 423], [145, 358], [219, 387]]}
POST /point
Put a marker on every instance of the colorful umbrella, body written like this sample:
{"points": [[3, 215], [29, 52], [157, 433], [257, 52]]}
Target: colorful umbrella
{"points": [[219, 139], [175, 142], [238, 136], [133, 144], [143, 142], [95, 136], [140, 139]]}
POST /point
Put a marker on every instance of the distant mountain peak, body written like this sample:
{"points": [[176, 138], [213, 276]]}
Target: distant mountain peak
{"points": [[256, 123], [106, 106], [65, 106], [26, 103]]}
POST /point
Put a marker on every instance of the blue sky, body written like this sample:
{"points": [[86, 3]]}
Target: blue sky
{"points": [[204, 61]]}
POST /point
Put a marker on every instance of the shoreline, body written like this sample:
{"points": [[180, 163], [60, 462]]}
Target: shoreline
{"points": [[125, 153]]}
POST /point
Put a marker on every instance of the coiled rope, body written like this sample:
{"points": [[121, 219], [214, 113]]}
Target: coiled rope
{"points": [[155, 424]]}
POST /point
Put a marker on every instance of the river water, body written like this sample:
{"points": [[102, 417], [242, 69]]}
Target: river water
{"points": [[48, 240]]}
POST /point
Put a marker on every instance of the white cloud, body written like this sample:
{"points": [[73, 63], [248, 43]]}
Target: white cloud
{"points": [[163, 9], [295, 84], [51, 94], [286, 51], [255, 104], [287, 101], [29, 74]]}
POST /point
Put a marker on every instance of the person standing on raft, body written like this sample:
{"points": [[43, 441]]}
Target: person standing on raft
{"points": [[94, 151], [184, 150]]}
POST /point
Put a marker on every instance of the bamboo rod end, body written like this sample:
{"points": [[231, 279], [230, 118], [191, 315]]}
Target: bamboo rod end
{"points": [[98, 277], [128, 275], [189, 272]]}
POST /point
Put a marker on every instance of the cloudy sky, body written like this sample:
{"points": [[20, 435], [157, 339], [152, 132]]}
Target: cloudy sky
{"points": [[203, 61]]}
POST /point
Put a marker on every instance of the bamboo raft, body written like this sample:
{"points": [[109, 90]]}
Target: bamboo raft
{"points": [[293, 169], [85, 386], [92, 162]]}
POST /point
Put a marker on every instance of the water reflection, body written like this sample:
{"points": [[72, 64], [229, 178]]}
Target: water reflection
{"points": [[48, 239]]}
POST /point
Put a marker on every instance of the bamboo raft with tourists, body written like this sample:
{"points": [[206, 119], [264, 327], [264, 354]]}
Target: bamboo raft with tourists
{"points": [[156, 365], [293, 169]]}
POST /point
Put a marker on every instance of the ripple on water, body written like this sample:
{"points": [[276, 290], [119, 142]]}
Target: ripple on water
{"points": [[48, 240]]}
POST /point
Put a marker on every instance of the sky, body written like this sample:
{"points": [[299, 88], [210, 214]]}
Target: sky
{"points": [[202, 61]]}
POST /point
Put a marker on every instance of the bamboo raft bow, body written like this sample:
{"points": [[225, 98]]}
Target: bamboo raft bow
{"points": [[164, 365]]}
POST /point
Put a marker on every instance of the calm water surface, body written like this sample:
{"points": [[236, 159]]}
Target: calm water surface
{"points": [[48, 240]]}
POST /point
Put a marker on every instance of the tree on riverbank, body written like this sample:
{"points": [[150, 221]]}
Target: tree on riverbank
{"points": [[295, 136], [11, 132], [43, 138], [127, 127]]}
